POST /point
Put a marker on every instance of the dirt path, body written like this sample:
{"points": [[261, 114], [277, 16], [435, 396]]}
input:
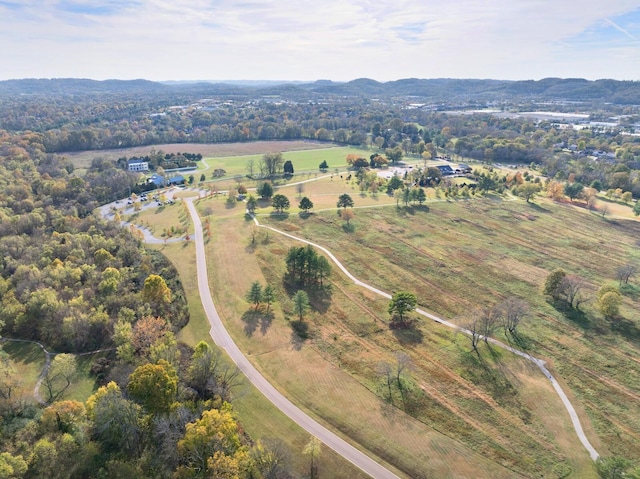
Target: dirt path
{"points": [[538, 362]]}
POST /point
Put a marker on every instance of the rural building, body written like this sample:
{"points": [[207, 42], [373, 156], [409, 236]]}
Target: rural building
{"points": [[137, 165], [446, 170]]}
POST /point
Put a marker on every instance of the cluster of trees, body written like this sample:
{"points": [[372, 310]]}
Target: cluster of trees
{"points": [[306, 268], [571, 290], [169, 416], [77, 283], [158, 159]]}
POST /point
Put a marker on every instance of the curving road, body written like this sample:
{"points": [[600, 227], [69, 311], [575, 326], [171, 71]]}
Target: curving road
{"points": [[222, 338], [538, 362]]}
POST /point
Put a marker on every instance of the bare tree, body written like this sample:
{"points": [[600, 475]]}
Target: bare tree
{"points": [[513, 311], [626, 272], [251, 165], [604, 209], [572, 289], [403, 363], [385, 370], [489, 321], [473, 329]]}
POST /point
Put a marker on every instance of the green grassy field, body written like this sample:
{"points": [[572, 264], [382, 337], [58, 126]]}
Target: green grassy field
{"points": [[456, 256], [28, 361], [303, 161]]}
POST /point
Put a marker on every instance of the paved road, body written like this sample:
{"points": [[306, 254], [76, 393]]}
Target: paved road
{"points": [[538, 362], [223, 340]]}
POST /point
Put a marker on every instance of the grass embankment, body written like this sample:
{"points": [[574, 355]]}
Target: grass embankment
{"points": [[28, 360]]}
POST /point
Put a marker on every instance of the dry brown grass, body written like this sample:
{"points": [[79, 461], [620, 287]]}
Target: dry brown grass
{"points": [[456, 256]]}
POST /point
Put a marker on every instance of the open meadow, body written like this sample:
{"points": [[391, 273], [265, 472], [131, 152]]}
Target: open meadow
{"points": [[482, 415]]}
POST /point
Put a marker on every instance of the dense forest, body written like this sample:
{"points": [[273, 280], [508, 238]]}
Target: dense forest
{"points": [[78, 284]]}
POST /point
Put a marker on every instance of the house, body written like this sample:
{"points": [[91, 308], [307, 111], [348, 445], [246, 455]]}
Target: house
{"points": [[157, 180], [137, 164], [446, 170]]}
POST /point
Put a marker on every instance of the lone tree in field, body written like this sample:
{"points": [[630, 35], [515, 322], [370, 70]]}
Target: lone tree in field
{"points": [[625, 273], [252, 204], [287, 168], [401, 302], [324, 166], [345, 201], [280, 203], [305, 204], [254, 295], [528, 190], [301, 303]]}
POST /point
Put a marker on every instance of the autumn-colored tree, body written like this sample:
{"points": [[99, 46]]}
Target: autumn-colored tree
{"points": [[146, 332], [155, 290], [154, 386], [347, 215], [313, 449], [555, 190], [215, 432]]}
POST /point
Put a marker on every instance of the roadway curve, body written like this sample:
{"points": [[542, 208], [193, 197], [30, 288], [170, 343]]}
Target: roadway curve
{"points": [[538, 362], [222, 338]]}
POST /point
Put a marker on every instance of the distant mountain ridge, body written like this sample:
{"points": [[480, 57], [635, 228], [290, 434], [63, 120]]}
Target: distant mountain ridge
{"points": [[577, 89]]}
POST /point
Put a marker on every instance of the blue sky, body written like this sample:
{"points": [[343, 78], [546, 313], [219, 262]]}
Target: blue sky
{"points": [[331, 39]]}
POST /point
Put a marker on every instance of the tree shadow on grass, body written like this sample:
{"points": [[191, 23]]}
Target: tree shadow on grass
{"points": [[23, 352], [279, 216], [299, 334], [537, 207], [626, 328], [254, 318], [576, 316], [250, 319], [406, 331]]}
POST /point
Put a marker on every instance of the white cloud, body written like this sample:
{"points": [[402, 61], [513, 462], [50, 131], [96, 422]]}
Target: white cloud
{"points": [[341, 40]]}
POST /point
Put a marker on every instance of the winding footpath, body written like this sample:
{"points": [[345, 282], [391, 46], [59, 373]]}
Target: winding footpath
{"points": [[575, 420], [222, 338]]}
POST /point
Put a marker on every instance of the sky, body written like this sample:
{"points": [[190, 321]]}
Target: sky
{"points": [[305, 40]]}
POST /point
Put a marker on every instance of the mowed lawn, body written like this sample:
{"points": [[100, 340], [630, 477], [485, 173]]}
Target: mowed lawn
{"points": [[302, 160]]}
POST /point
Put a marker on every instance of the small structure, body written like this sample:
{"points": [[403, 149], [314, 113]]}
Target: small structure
{"points": [[463, 168], [157, 180], [219, 172], [137, 164], [176, 180], [446, 170]]}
